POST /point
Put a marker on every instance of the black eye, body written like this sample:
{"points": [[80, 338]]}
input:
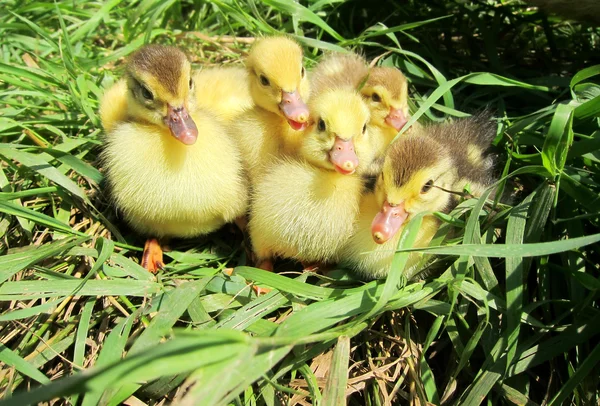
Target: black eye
{"points": [[321, 125], [364, 128], [191, 83], [264, 80], [146, 93], [427, 187], [303, 72], [376, 97]]}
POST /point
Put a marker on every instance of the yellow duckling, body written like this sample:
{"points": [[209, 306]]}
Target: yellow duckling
{"points": [[224, 91], [172, 169], [419, 173], [305, 209], [384, 89], [278, 87]]}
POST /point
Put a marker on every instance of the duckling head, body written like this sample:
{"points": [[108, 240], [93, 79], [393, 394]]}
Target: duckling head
{"points": [[415, 172], [386, 94], [278, 80], [159, 90], [337, 137]]}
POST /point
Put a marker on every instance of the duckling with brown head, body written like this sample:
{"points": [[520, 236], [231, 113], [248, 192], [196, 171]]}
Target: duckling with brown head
{"points": [[173, 169], [419, 173]]}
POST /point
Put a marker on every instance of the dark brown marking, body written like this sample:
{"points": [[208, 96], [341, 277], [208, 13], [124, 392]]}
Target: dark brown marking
{"points": [[161, 62], [411, 154]]}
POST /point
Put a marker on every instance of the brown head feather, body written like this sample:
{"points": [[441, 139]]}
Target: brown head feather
{"points": [[390, 78], [159, 61], [413, 153]]}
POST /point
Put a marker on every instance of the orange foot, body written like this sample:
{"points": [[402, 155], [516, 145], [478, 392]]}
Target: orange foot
{"points": [[267, 265], [152, 258], [258, 290]]}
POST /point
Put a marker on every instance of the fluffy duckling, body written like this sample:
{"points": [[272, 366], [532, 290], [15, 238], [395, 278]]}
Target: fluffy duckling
{"points": [[278, 87], [305, 209], [419, 173], [384, 89], [172, 169], [225, 91]]}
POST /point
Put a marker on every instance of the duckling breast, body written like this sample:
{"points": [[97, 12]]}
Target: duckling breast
{"points": [[303, 212], [166, 188]]}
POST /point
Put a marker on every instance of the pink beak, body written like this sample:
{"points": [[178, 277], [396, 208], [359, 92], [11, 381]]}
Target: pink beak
{"points": [[387, 222], [294, 110], [181, 125], [343, 157], [396, 118]]}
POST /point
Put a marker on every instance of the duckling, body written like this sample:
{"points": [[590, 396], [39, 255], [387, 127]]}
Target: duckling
{"points": [[278, 86], [305, 208], [419, 173], [225, 91], [173, 170], [384, 89]]}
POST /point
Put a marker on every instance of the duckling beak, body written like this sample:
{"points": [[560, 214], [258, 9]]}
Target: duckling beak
{"points": [[396, 118], [343, 157], [294, 110], [181, 124], [387, 222]]}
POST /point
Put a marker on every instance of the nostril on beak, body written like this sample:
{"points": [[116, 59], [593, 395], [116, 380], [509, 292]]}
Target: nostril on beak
{"points": [[348, 165]]}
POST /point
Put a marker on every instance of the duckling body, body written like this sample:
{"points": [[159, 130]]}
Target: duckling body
{"points": [[167, 189], [371, 260], [173, 169], [419, 172], [305, 208], [224, 91], [309, 217]]}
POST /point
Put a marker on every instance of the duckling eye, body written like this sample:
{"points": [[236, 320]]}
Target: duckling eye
{"points": [[264, 81], [376, 97], [427, 187], [364, 128], [191, 83], [321, 125], [147, 94], [303, 72]]}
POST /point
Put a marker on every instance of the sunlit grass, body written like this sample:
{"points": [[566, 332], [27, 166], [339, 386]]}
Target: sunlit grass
{"points": [[508, 312]]}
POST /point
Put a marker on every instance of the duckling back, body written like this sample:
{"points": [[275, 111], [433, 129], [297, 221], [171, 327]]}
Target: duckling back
{"points": [[469, 141], [224, 91], [339, 70]]}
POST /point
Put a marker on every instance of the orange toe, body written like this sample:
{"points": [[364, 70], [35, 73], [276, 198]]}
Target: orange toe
{"points": [[260, 291], [152, 258]]}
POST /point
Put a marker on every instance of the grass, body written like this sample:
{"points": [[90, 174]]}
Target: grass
{"points": [[509, 316]]}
